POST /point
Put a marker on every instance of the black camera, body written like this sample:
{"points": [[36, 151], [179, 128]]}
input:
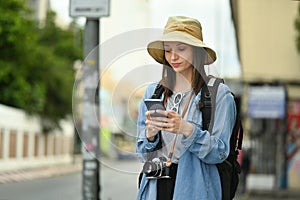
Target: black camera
{"points": [[156, 168]]}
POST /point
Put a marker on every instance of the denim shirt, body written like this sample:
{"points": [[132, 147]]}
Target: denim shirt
{"points": [[197, 175]]}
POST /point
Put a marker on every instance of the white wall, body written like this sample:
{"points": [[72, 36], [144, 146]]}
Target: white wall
{"points": [[12, 118], [15, 121]]}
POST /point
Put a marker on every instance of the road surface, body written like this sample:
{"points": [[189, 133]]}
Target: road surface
{"points": [[118, 181]]}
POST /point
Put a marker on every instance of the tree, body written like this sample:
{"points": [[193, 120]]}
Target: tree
{"points": [[297, 25], [36, 63], [17, 34], [59, 64]]}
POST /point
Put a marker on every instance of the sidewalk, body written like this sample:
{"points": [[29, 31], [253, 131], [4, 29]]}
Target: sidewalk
{"points": [[42, 172]]}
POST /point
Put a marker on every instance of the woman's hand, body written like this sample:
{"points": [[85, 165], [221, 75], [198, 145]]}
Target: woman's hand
{"points": [[172, 123]]}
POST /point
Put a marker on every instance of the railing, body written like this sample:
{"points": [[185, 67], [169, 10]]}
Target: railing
{"points": [[23, 145]]}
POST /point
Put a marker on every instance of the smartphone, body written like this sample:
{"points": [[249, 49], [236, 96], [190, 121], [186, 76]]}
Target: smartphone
{"points": [[155, 104]]}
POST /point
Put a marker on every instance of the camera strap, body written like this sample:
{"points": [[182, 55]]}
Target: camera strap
{"points": [[169, 160]]}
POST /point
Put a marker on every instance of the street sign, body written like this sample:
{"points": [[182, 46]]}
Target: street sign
{"points": [[267, 102], [89, 8]]}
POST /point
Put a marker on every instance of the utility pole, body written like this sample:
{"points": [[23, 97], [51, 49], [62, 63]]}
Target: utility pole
{"points": [[90, 128], [91, 113]]}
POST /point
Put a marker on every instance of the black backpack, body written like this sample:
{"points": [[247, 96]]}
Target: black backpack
{"points": [[229, 169]]}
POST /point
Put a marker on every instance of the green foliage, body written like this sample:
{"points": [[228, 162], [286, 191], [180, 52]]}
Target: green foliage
{"points": [[36, 64], [297, 26]]}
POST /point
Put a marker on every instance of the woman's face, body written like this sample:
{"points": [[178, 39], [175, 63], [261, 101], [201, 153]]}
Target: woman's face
{"points": [[179, 55]]}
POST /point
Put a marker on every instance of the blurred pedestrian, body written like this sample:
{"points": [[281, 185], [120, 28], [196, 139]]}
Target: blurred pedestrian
{"points": [[187, 152]]}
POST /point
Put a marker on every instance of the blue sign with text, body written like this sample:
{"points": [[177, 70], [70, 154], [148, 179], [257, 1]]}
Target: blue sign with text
{"points": [[266, 102]]}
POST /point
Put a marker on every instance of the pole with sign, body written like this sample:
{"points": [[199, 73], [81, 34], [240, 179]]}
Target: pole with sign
{"points": [[92, 10]]}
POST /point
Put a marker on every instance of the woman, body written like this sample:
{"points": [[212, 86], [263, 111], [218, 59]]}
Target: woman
{"points": [[193, 152]]}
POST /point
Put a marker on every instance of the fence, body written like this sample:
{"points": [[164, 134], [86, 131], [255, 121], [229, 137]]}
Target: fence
{"points": [[23, 145]]}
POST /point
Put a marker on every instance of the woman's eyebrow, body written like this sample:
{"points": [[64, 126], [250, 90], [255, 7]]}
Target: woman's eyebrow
{"points": [[180, 43]]}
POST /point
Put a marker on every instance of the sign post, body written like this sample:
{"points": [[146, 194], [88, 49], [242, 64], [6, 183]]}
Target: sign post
{"points": [[90, 130]]}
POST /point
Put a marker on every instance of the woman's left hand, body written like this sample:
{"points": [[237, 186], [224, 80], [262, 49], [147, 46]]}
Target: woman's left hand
{"points": [[172, 123]]}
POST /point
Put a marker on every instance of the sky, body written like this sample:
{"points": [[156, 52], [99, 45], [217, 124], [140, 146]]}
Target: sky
{"points": [[214, 15], [61, 7]]}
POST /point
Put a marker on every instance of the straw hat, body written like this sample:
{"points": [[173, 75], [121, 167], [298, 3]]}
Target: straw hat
{"points": [[181, 29]]}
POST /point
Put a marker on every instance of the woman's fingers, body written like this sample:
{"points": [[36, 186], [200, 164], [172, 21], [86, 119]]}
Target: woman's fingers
{"points": [[171, 123]]}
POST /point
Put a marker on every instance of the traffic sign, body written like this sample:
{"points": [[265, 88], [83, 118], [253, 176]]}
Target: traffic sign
{"points": [[89, 8]]}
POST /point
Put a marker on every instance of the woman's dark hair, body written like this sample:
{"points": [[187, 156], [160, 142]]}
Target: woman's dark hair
{"points": [[198, 76]]}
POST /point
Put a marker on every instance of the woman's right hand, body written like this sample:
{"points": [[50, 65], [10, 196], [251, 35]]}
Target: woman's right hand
{"points": [[151, 130]]}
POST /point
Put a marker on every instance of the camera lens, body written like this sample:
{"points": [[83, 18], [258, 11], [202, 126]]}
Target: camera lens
{"points": [[150, 168], [156, 168]]}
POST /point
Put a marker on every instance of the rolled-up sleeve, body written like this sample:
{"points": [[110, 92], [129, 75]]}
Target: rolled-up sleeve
{"points": [[143, 145]]}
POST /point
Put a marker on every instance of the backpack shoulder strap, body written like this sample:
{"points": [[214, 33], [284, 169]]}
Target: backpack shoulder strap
{"points": [[207, 102], [205, 107], [238, 127]]}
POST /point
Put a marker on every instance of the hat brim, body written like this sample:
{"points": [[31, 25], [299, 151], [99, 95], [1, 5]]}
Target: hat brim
{"points": [[156, 49]]}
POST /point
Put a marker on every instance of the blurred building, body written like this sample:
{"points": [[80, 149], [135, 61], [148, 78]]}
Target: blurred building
{"points": [[271, 75], [40, 8], [24, 145]]}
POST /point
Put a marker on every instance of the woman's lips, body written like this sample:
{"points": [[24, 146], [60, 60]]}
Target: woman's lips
{"points": [[176, 64]]}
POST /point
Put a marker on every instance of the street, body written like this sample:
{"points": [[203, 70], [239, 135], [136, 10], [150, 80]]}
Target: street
{"points": [[118, 181]]}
